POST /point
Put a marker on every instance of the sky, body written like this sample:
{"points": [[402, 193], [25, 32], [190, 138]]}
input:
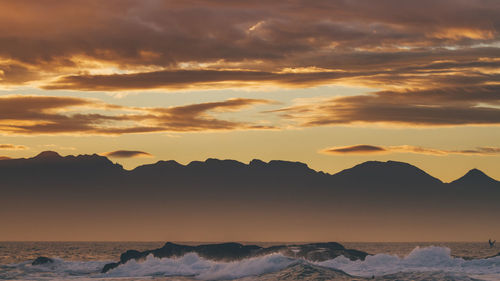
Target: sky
{"points": [[327, 83]]}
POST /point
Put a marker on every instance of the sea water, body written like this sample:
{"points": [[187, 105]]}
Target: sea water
{"points": [[389, 261]]}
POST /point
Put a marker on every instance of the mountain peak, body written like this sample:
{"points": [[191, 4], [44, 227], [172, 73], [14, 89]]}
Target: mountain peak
{"points": [[48, 155], [475, 176], [391, 171]]}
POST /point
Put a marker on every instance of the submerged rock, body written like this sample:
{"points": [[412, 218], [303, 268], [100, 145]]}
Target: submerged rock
{"points": [[236, 251], [42, 260]]}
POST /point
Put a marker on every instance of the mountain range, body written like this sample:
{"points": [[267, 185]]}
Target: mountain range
{"points": [[393, 194], [49, 165]]}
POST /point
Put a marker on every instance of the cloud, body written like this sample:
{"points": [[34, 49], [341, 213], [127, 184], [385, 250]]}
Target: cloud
{"points": [[354, 149], [127, 154], [172, 44], [70, 115], [435, 62], [452, 106], [371, 149], [182, 79], [4, 158], [12, 147]]}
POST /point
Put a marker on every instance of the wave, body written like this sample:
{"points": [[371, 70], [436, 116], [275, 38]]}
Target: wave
{"points": [[426, 259], [421, 260], [193, 265]]}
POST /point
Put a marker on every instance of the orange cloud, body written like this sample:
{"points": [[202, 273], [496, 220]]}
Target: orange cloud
{"points": [[449, 106], [12, 147], [154, 44], [436, 65], [67, 115]]}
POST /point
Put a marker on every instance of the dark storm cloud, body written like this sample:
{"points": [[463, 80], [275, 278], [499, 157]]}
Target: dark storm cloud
{"points": [[67, 115], [127, 154]]}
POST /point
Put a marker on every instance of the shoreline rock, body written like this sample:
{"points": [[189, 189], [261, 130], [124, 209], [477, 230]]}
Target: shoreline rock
{"points": [[236, 251]]}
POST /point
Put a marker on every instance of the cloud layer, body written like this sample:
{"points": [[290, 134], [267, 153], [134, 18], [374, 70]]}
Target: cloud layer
{"points": [[435, 62], [168, 44], [373, 149], [21, 114], [477, 105]]}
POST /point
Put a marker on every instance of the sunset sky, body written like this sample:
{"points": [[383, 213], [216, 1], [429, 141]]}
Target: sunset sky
{"points": [[328, 83]]}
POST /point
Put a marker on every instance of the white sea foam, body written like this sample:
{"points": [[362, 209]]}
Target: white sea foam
{"points": [[193, 265], [419, 260]]}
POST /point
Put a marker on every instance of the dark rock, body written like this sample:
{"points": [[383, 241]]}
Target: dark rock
{"points": [[130, 254], [109, 266], [42, 260], [236, 251]]}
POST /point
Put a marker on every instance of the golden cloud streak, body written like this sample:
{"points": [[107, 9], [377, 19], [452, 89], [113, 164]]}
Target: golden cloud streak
{"points": [[30, 115]]}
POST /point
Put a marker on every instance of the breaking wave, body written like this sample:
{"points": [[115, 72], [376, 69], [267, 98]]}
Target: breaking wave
{"points": [[419, 260], [193, 265]]}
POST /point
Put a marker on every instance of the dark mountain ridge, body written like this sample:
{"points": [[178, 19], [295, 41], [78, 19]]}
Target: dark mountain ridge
{"points": [[287, 197], [390, 172]]}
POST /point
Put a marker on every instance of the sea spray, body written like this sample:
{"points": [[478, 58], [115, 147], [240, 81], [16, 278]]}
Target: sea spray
{"points": [[419, 260], [193, 265]]}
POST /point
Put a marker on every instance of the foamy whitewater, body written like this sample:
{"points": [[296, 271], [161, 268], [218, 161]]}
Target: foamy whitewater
{"points": [[419, 260], [422, 263]]}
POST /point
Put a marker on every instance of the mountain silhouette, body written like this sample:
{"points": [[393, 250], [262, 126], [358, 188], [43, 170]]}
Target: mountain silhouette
{"points": [[390, 172], [251, 197], [475, 177]]}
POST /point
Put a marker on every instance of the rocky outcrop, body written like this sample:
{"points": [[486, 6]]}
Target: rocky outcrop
{"points": [[236, 251]]}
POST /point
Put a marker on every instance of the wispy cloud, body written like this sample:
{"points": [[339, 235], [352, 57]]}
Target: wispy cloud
{"points": [[127, 154], [12, 147], [373, 149], [435, 107], [70, 115]]}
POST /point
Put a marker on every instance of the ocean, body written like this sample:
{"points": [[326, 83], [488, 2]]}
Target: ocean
{"points": [[388, 261]]}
